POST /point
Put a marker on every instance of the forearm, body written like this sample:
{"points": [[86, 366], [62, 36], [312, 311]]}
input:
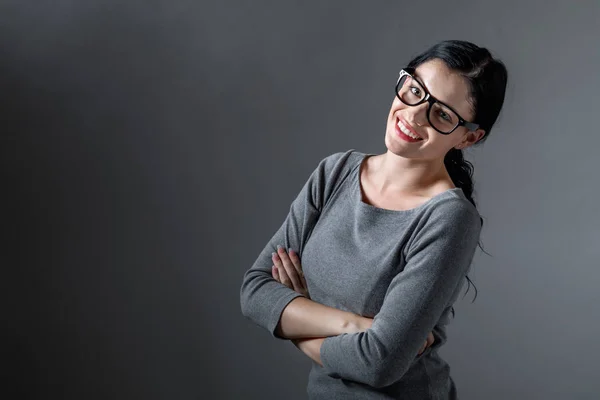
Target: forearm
{"points": [[311, 347], [304, 318]]}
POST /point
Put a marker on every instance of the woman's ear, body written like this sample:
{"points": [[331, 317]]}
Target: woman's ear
{"points": [[479, 134], [470, 139]]}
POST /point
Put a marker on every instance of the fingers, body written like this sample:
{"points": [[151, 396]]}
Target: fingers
{"points": [[281, 276], [287, 270], [283, 263], [428, 342], [295, 262], [430, 339], [279, 273], [298, 266]]}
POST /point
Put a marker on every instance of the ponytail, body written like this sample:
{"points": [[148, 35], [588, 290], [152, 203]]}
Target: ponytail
{"points": [[461, 173]]}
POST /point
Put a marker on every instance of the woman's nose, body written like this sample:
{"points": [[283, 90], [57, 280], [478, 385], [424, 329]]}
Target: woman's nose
{"points": [[419, 114]]}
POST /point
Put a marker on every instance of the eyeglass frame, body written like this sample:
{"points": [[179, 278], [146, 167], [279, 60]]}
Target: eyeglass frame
{"points": [[471, 126]]}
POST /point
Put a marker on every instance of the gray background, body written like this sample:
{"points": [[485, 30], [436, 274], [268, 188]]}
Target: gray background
{"points": [[151, 148]]}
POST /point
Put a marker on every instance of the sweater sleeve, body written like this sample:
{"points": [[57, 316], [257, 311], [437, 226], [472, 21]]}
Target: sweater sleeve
{"points": [[262, 298], [437, 259]]}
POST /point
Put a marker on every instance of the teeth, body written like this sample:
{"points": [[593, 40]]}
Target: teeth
{"points": [[406, 131]]}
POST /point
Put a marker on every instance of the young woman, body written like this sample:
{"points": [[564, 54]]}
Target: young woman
{"points": [[376, 248]]}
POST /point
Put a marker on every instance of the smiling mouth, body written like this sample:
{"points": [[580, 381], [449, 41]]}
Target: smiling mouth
{"points": [[406, 131]]}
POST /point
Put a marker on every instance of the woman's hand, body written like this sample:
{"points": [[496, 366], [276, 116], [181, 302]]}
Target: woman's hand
{"points": [[428, 342], [287, 270]]}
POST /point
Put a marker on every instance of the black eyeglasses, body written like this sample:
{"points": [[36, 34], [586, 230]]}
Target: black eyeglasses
{"points": [[441, 117]]}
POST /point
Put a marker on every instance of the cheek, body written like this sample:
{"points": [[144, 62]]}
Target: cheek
{"points": [[447, 142], [396, 105], [457, 137]]}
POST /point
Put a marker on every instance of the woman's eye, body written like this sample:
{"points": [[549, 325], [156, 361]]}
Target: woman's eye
{"points": [[444, 115], [416, 91]]}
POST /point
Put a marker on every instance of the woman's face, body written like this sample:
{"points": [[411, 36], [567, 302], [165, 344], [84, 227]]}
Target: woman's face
{"points": [[448, 87]]}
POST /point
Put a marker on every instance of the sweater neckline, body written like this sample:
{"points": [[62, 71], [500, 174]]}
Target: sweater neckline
{"points": [[367, 206]]}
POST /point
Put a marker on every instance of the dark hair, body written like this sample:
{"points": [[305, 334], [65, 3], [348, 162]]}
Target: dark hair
{"points": [[487, 78]]}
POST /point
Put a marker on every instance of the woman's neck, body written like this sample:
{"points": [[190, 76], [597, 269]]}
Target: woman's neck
{"points": [[393, 173]]}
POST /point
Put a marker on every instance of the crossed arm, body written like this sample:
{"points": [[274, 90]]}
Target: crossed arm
{"points": [[307, 323]]}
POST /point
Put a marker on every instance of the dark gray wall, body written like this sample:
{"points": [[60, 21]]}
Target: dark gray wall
{"points": [[151, 148]]}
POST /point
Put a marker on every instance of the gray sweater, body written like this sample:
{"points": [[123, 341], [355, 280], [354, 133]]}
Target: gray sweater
{"points": [[405, 269]]}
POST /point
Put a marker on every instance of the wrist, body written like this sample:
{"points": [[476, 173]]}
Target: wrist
{"points": [[312, 348]]}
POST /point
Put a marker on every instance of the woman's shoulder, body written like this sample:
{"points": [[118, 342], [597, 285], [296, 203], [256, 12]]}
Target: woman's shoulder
{"points": [[453, 207], [340, 163], [350, 157]]}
